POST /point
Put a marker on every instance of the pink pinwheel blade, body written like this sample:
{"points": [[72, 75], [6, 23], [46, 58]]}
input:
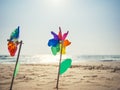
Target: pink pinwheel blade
{"points": [[65, 35]]}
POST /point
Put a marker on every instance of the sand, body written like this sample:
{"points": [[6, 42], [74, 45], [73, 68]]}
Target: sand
{"points": [[81, 76]]}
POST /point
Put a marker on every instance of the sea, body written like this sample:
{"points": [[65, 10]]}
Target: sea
{"points": [[48, 58]]}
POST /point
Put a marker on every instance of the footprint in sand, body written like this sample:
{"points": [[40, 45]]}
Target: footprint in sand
{"points": [[6, 77], [64, 84], [5, 83], [52, 82], [40, 84], [118, 89], [68, 76], [42, 75], [90, 76]]}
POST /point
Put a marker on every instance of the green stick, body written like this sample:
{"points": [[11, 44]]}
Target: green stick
{"points": [[16, 65]]}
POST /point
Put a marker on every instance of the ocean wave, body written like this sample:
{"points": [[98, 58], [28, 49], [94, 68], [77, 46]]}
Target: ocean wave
{"points": [[48, 58]]}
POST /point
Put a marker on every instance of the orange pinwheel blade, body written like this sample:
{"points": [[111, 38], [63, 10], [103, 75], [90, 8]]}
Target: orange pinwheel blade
{"points": [[66, 43]]}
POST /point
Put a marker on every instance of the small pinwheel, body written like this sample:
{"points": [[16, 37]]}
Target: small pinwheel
{"points": [[13, 42], [12, 48]]}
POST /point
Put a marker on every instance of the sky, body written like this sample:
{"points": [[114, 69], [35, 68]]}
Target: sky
{"points": [[93, 25]]}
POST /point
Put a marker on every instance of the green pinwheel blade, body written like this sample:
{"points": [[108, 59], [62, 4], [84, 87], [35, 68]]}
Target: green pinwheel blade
{"points": [[17, 69], [55, 49], [65, 65]]}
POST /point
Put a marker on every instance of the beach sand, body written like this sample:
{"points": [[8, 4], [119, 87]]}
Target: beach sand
{"points": [[81, 76]]}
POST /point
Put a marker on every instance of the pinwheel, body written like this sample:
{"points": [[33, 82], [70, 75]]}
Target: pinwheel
{"points": [[12, 48], [58, 44], [13, 42]]}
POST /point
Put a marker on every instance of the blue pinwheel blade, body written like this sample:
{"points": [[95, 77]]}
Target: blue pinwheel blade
{"points": [[15, 34]]}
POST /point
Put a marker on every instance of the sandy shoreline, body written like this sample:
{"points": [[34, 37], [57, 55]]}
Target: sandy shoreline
{"points": [[81, 76]]}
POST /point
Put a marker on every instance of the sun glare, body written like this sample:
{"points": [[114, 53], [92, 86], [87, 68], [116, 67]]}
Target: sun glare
{"points": [[57, 2]]}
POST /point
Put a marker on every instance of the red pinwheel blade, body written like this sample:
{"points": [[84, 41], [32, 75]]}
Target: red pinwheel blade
{"points": [[12, 48], [60, 34]]}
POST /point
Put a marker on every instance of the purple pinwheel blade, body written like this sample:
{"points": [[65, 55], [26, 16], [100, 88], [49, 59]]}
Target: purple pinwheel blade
{"points": [[55, 35]]}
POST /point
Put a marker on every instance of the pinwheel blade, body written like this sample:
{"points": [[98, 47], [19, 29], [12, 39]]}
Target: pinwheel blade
{"points": [[12, 48], [15, 34], [65, 65]]}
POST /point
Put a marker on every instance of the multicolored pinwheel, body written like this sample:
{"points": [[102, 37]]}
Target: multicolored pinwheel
{"points": [[58, 41], [13, 42], [12, 48], [59, 44]]}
